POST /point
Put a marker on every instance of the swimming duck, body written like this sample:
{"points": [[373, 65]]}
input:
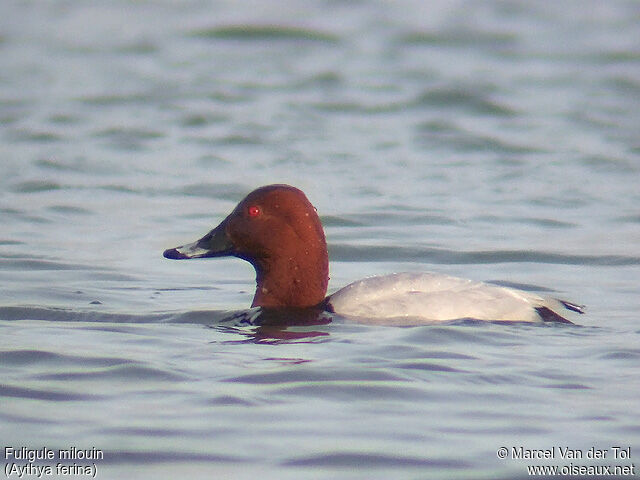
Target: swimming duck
{"points": [[278, 231]]}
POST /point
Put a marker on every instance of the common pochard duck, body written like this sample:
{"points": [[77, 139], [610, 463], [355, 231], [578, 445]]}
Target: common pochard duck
{"points": [[278, 231]]}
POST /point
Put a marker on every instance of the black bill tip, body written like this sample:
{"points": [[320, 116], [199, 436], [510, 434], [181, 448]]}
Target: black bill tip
{"points": [[174, 254]]}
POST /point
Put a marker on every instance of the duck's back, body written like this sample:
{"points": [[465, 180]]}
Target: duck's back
{"points": [[431, 297]]}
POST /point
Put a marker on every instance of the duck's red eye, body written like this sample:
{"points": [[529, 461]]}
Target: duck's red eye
{"points": [[254, 211]]}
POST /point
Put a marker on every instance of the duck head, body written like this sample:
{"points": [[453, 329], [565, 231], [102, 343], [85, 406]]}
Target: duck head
{"points": [[278, 231]]}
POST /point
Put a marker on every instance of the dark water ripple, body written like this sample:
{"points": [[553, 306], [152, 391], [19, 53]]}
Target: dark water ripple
{"points": [[354, 460], [461, 38], [28, 357], [262, 33], [34, 264], [121, 372], [48, 395], [622, 354], [445, 98], [308, 376], [171, 455], [466, 98], [350, 253], [68, 315], [34, 186]]}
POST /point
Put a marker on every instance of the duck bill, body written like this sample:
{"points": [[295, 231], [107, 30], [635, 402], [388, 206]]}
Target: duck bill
{"points": [[216, 243]]}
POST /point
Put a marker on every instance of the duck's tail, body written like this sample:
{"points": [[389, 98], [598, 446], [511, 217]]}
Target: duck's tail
{"points": [[572, 306], [547, 314]]}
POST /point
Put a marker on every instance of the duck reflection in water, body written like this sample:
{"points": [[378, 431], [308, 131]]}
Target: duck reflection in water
{"points": [[276, 325]]}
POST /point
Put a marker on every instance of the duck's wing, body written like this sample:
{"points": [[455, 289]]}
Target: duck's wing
{"points": [[436, 297]]}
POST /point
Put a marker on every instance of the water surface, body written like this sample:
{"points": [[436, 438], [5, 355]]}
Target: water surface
{"points": [[492, 140]]}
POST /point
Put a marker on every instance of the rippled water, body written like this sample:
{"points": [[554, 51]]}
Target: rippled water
{"points": [[492, 140]]}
